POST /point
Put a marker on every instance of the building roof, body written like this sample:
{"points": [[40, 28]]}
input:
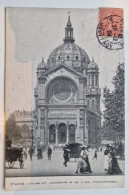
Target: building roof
{"points": [[68, 53]]}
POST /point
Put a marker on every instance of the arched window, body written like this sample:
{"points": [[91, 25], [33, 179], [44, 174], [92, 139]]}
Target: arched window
{"points": [[42, 112], [88, 104], [52, 133], [42, 120], [96, 79], [68, 57], [71, 133], [89, 79], [62, 133], [76, 57], [52, 58], [58, 57], [68, 33], [92, 80], [93, 104]]}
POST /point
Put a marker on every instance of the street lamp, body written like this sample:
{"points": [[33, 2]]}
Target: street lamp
{"points": [[85, 140], [32, 135]]}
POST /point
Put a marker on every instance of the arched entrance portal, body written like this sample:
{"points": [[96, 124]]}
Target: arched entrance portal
{"points": [[52, 134], [62, 131], [71, 133]]}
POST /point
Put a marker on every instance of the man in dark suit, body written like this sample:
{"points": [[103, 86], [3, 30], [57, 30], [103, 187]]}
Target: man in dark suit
{"points": [[49, 153]]}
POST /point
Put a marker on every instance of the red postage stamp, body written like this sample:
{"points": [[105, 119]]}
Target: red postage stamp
{"points": [[110, 28]]}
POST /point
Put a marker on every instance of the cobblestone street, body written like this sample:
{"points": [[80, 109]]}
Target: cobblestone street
{"points": [[55, 167]]}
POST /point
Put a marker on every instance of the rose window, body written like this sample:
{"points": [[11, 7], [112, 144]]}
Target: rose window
{"points": [[62, 91]]}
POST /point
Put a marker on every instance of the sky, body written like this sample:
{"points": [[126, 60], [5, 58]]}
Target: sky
{"points": [[33, 33]]}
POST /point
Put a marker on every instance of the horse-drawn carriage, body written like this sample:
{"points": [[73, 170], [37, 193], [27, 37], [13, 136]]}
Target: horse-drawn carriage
{"points": [[75, 149], [14, 154]]}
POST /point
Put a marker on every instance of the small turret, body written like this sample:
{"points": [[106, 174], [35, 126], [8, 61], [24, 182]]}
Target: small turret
{"points": [[41, 68]]}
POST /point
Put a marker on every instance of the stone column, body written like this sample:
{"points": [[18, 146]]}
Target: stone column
{"points": [[48, 132], [67, 133], [75, 131], [56, 133]]}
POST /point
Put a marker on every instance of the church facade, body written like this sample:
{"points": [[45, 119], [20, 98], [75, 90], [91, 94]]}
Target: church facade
{"points": [[67, 96]]}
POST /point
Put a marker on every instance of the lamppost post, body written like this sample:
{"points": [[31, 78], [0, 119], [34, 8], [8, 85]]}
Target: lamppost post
{"points": [[32, 134]]}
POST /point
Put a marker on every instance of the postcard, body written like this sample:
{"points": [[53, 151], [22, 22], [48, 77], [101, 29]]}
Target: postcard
{"points": [[64, 98]]}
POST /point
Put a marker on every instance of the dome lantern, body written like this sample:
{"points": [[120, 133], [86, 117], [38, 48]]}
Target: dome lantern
{"points": [[69, 32]]}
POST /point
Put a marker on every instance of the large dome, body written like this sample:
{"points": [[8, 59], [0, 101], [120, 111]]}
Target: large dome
{"points": [[68, 53]]}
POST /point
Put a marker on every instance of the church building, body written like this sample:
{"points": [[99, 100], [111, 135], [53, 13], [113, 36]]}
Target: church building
{"points": [[67, 96]]}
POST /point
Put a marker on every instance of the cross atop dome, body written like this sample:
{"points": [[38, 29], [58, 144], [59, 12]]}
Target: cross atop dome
{"points": [[69, 13], [69, 22], [69, 31]]}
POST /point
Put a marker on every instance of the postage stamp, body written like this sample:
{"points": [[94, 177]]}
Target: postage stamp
{"points": [[110, 28]]}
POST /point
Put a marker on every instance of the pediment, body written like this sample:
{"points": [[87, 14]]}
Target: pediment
{"points": [[64, 70]]}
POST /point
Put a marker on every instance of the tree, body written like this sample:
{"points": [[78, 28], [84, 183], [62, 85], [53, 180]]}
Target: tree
{"points": [[114, 114], [12, 129]]}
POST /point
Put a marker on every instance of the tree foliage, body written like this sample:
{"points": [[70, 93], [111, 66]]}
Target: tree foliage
{"points": [[114, 114], [12, 129], [16, 133]]}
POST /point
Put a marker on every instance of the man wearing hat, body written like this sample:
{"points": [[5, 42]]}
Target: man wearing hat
{"points": [[49, 153], [66, 155]]}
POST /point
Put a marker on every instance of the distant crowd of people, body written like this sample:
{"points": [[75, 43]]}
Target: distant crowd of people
{"points": [[39, 153]]}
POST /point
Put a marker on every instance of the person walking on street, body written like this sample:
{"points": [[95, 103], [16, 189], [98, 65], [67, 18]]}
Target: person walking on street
{"points": [[39, 153], [31, 152], [95, 154], [114, 168], [49, 153], [106, 158], [66, 156], [101, 149], [81, 161], [87, 159]]}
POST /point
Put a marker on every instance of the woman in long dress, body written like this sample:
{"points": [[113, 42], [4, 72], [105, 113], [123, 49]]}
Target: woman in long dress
{"points": [[107, 158], [88, 168], [114, 168], [81, 161]]}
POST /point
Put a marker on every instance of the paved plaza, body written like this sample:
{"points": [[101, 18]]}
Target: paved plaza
{"points": [[55, 167]]}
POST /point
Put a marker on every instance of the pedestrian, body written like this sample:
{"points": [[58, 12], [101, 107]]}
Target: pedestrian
{"points": [[39, 153], [81, 161], [66, 156], [87, 159], [114, 168], [95, 154], [31, 151], [49, 153], [101, 149], [24, 153], [106, 158], [121, 151]]}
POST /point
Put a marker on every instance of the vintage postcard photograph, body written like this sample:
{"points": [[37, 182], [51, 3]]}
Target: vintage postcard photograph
{"points": [[64, 98]]}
